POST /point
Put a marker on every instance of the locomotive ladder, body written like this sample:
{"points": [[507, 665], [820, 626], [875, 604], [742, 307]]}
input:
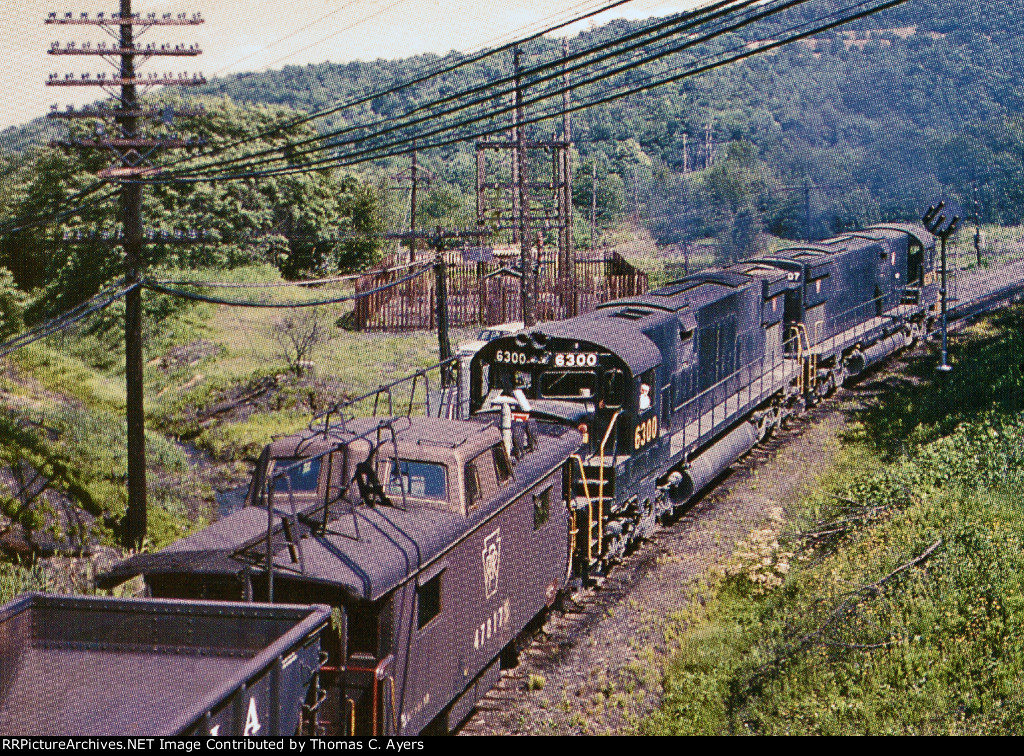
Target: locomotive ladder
{"points": [[593, 507], [808, 359]]}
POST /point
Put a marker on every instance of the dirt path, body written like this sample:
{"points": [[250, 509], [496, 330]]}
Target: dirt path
{"points": [[599, 662]]}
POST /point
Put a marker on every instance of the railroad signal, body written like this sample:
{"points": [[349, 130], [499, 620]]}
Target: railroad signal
{"points": [[133, 150], [935, 220]]}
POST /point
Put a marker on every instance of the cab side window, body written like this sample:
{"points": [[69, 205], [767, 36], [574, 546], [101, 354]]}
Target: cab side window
{"points": [[428, 599], [541, 508]]}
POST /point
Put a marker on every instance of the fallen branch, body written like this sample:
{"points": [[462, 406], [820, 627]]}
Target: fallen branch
{"points": [[859, 646], [842, 611], [902, 568]]}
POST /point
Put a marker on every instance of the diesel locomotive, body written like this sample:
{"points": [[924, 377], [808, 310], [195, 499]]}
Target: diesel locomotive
{"points": [[670, 388], [437, 541]]}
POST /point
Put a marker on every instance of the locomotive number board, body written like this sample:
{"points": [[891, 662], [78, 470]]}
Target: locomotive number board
{"points": [[583, 359]]}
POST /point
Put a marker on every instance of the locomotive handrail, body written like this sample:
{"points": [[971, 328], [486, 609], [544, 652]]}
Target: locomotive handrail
{"points": [[590, 507], [600, 483], [701, 399]]}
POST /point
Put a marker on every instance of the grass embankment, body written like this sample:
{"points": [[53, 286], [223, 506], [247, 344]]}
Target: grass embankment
{"points": [[893, 600]]}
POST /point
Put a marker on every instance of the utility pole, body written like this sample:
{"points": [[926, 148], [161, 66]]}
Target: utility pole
{"points": [[413, 177], [567, 265], [807, 208], [528, 282], [133, 150], [935, 221], [977, 227], [437, 241], [686, 154], [593, 205]]}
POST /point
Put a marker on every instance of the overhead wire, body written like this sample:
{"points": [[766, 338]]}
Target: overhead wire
{"points": [[288, 36], [23, 224], [281, 284], [397, 147], [671, 27], [180, 293], [64, 321], [394, 89]]}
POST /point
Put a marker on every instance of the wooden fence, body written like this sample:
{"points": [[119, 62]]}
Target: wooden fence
{"points": [[488, 294]]}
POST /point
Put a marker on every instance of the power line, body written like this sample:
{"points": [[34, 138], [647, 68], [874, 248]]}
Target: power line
{"points": [[674, 26], [62, 322], [278, 284], [298, 31], [397, 147], [176, 292], [418, 79]]}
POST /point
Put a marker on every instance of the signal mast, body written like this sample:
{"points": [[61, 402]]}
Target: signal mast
{"points": [[133, 151]]}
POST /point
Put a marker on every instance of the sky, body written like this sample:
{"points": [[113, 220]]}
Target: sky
{"points": [[254, 35]]}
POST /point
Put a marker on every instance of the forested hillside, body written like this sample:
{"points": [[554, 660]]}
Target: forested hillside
{"points": [[881, 116], [868, 122]]}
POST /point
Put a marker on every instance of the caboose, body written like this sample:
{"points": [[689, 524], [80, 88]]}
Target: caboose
{"points": [[435, 541]]}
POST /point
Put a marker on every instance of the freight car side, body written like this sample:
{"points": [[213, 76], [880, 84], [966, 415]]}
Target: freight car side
{"points": [[100, 666]]}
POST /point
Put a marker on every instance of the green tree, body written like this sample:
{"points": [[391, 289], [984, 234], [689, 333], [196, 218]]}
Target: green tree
{"points": [[305, 223]]}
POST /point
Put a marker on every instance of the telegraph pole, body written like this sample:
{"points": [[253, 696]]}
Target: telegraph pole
{"points": [[527, 287], [567, 265], [414, 179], [593, 204], [437, 240], [807, 208], [133, 150]]}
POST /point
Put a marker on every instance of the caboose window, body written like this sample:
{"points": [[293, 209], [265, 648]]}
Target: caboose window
{"points": [[425, 480], [568, 385], [502, 465], [300, 478], [541, 508], [428, 598], [474, 493]]}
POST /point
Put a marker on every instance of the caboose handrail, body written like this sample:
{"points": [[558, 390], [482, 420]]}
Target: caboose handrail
{"points": [[339, 407]]}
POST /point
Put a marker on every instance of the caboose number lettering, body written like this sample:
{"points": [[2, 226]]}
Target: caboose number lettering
{"points": [[646, 432], [494, 624]]}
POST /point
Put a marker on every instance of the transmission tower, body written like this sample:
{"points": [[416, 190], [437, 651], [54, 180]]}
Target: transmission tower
{"points": [[126, 139]]}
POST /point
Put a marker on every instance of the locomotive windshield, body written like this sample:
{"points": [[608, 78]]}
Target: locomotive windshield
{"points": [[568, 385], [424, 480]]}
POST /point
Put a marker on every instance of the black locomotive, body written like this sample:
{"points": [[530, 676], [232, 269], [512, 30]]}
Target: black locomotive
{"points": [[670, 388], [437, 541]]}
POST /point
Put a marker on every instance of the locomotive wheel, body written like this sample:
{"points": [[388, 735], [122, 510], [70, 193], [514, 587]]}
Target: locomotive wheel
{"points": [[765, 425], [828, 384]]}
